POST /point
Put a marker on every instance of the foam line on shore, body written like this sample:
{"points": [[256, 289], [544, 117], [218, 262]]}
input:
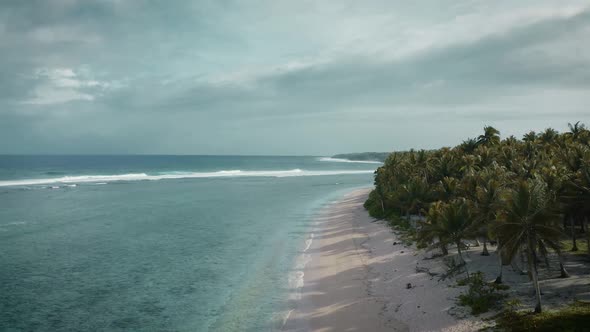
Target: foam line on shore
{"points": [[297, 278]]}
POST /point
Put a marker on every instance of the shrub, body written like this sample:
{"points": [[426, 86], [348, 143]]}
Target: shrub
{"points": [[453, 268], [572, 318], [481, 295], [373, 206]]}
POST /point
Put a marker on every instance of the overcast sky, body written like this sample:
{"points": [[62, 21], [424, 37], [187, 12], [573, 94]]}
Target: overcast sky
{"points": [[285, 77]]}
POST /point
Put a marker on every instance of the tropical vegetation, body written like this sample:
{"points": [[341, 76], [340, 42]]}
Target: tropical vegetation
{"points": [[363, 156], [526, 195]]}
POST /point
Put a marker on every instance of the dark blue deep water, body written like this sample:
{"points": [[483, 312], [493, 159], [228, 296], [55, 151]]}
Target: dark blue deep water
{"points": [[157, 243]]}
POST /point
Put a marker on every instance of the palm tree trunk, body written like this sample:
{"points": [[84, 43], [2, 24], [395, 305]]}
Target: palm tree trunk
{"points": [[533, 270], [587, 234], [522, 261], [461, 257], [382, 207], [562, 270], [499, 253], [573, 229], [485, 251], [499, 277]]}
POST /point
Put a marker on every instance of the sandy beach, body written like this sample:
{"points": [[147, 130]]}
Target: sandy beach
{"points": [[357, 280]]}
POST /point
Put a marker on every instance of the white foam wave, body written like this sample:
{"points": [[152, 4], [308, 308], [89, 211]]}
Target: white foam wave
{"points": [[308, 242], [296, 277], [342, 160], [176, 175], [15, 223]]}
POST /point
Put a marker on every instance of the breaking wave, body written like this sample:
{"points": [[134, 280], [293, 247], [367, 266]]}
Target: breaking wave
{"points": [[176, 175]]}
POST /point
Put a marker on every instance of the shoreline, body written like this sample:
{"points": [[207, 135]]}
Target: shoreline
{"points": [[354, 279]]}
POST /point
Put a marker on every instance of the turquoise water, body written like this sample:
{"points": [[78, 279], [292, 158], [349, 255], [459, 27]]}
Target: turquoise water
{"points": [[158, 243]]}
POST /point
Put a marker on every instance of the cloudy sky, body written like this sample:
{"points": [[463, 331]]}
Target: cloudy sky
{"points": [[285, 77]]}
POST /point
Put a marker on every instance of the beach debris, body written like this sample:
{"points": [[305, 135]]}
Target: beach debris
{"points": [[394, 243], [409, 285], [402, 251]]}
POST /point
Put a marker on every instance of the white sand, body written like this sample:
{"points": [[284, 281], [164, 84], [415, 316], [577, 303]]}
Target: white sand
{"points": [[356, 279]]}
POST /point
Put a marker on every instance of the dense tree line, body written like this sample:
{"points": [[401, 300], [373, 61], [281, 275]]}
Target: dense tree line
{"points": [[364, 156], [524, 194]]}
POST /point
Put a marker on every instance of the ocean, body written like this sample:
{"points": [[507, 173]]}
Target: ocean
{"points": [[158, 243]]}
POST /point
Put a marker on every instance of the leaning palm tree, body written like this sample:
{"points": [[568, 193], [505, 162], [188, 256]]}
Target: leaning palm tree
{"points": [[527, 221], [491, 136]]}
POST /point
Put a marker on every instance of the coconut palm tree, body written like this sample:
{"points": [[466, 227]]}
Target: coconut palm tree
{"points": [[433, 231], [527, 220], [491, 136], [577, 194], [450, 223], [547, 137], [578, 132], [531, 136], [469, 145], [486, 204], [415, 195], [447, 189]]}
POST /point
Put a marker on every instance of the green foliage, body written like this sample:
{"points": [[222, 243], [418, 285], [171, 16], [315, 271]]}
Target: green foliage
{"points": [[517, 192], [567, 245], [449, 223], [365, 156], [373, 205], [406, 234], [481, 295], [573, 318], [399, 223]]}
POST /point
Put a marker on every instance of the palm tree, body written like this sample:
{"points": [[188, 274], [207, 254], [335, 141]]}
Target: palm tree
{"points": [[527, 221], [433, 231], [447, 189], [469, 145], [549, 136], [486, 204], [415, 195], [449, 222], [531, 136], [577, 193], [575, 158], [577, 130], [491, 136]]}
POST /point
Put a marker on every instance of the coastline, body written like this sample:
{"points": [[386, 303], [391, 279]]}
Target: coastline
{"points": [[353, 279]]}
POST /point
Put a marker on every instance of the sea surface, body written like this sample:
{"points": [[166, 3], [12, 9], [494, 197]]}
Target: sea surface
{"points": [[158, 243]]}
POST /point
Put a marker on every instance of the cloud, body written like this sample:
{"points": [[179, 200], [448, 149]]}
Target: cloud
{"points": [[490, 69], [62, 85], [166, 77]]}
